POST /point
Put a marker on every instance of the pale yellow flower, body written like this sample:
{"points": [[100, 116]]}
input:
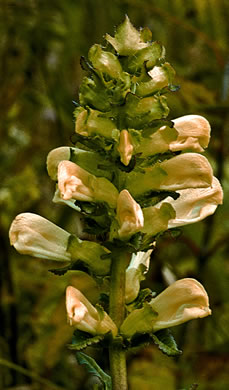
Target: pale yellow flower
{"points": [[189, 133], [184, 300], [76, 183], [84, 316], [194, 204], [33, 235], [193, 133]]}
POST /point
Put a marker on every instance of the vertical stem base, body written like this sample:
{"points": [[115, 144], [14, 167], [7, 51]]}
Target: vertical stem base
{"points": [[118, 368], [117, 313]]}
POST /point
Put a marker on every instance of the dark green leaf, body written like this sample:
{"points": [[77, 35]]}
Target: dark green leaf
{"points": [[94, 369], [166, 342], [81, 340]]}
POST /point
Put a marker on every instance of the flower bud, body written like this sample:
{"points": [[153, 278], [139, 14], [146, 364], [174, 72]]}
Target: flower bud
{"points": [[125, 147], [127, 39], [104, 61], [33, 235], [93, 123], [159, 77], [129, 215], [184, 300], [84, 316], [75, 182], [138, 267]]}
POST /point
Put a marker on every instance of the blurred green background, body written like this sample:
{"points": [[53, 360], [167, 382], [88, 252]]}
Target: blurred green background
{"points": [[40, 44]]}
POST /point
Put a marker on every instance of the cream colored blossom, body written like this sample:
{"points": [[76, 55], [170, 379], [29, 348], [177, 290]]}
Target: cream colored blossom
{"points": [[129, 214], [33, 235], [125, 147], [184, 300], [189, 170], [84, 316], [194, 204], [75, 182], [189, 133], [193, 133]]}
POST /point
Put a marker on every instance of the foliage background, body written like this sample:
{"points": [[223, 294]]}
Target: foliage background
{"points": [[41, 44]]}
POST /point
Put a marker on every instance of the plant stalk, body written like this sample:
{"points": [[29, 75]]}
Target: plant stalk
{"points": [[117, 313]]}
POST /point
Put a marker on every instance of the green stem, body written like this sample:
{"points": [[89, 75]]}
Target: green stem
{"points": [[117, 313]]}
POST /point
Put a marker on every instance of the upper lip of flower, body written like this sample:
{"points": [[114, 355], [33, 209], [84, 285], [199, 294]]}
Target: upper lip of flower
{"points": [[183, 300]]}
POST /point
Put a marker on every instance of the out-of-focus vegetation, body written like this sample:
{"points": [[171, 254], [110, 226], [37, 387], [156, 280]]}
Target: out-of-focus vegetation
{"points": [[40, 47]]}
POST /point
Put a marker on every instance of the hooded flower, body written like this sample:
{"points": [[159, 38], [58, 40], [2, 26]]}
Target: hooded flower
{"points": [[33, 235], [194, 204], [84, 316], [193, 133], [184, 300], [189, 170], [75, 182], [187, 133]]}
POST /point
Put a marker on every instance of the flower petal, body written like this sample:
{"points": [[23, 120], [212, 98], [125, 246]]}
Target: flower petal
{"points": [[80, 312], [189, 170], [195, 204], [129, 215], [84, 316], [184, 300], [75, 182], [33, 235], [193, 133]]}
